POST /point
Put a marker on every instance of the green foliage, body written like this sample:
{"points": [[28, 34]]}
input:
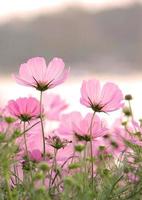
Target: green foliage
{"points": [[114, 178], [77, 187]]}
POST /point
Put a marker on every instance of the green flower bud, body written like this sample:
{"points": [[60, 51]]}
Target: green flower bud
{"points": [[42, 189], [43, 166], [9, 120], [126, 170], [106, 172], [38, 176], [16, 134], [127, 111], [75, 165], [124, 123], [79, 148], [2, 137], [101, 148]]}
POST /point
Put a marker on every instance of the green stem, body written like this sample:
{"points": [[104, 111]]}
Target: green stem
{"points": [[15, 171], [8, 187], [25, 142], [26, 148], [19, 180], [91, 150], [130, 107], [62, 168], [85, 165], [85, 153], [26, 130], [42, 126], [53, 164]]}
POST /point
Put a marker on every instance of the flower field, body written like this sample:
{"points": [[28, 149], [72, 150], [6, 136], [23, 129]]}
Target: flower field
{"points": [[83, 157]]}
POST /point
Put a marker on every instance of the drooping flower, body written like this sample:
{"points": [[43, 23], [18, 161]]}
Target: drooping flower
{"points": [[106, 99], [37, 74], [53, 106], [24, 108]]}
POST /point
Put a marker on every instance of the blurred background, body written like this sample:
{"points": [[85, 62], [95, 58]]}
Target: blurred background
{"points": [[96, 38]]}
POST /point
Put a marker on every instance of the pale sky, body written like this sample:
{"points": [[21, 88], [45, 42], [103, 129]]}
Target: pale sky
{"points": [[24, 8]]}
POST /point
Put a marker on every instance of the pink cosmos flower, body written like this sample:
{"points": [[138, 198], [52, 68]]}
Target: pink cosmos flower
{"points": [[106, 99], [100, 147], [34, 142], [53, 106], [66, 154], [6, 116], [75, 124], [114, 138], [35, 73], [66, 124], [24, 108], [83, 128], [136, 127], [36, 155], [118, 135]]}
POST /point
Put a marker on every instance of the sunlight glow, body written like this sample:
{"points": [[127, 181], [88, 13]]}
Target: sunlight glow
{"points": [[20, 8]]}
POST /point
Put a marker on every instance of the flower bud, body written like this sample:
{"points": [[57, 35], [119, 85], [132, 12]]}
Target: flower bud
{"points": [[10, 120], [101, 148], [127, 111], [75, 165], [2, 137], [42, 189], [79, 148], [38, 176], [124, 123], [106, 172], [128, 97], [43, 166], [114, 144], [140, 120]]}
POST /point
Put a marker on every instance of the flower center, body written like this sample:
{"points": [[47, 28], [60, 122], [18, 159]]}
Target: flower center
{"points": [[42, 86], [96, 108], [86, 137], [25, 117]]}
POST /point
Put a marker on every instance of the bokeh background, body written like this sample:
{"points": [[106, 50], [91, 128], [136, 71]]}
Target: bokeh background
{"points": [[96, 38]]}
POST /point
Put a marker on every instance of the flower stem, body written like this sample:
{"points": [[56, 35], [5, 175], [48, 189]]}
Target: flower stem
{"points": [[42, 126], [7, 186], [85, 153], [132, 115], [130, 107], [91, 150], [53, 166], [25, 142], [15, 172], [26, 148]]}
